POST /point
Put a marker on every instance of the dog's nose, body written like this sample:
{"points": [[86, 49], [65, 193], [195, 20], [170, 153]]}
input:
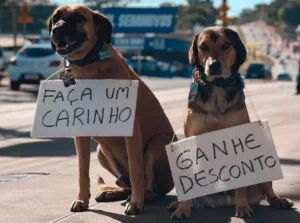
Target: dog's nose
{"points": [[215, 67]]}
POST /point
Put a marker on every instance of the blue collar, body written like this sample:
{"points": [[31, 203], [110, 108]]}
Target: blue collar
{"points": [[97, 53]]}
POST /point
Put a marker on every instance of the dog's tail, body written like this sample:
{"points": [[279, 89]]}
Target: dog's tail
{"points": [[104, 187]]}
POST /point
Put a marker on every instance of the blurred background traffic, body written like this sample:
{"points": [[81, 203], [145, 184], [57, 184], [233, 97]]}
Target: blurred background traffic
{"points": [[154, 36]]}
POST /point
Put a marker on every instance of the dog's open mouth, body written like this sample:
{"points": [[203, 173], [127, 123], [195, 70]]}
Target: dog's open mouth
{"points": [[67, 47], [64, 48], [61, 46]]}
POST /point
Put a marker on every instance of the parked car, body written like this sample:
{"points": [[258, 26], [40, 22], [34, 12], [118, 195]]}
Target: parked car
{"points": [[33, 63], [148, 65], [298, 85], [284, 77], [259, 71], [2, 64]]}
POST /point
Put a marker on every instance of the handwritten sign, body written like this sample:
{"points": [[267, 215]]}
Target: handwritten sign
{"points": [[89, 108], [222, 160]]}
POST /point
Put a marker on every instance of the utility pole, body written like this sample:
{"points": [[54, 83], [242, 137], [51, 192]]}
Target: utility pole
{"points": [[14, 25], [223, 13]]}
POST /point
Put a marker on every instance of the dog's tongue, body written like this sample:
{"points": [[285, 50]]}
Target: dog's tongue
{"points": [[62, 45]]}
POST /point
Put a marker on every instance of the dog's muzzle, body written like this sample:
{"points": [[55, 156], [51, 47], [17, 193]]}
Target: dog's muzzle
{"points": [[66, 37], [215, 68], [60, 31]]}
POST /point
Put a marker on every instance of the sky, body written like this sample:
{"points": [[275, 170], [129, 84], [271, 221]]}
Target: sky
{"points": [[236, 6]]}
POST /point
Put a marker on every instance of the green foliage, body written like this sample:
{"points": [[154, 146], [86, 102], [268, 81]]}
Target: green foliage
{"points": [[282, 14], [197, 11], [290, 14]]}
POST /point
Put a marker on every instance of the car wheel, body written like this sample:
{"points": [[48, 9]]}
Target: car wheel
{"points": [[15, 85]]}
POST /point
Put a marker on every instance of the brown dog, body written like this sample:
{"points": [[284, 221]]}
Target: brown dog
{"points": [[218, 53], [139, 162]]}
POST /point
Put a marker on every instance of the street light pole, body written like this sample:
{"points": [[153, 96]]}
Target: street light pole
{"points": [[222, 15], [225, 14], [14, 25]]}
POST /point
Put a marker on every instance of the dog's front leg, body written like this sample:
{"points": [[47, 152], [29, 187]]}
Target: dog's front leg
{"points": [[82, 145], [136, 171], [242, 205]]}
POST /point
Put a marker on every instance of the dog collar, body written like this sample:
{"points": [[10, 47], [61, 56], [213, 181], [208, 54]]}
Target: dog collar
{"points": [[97, 53], [233, 79]]}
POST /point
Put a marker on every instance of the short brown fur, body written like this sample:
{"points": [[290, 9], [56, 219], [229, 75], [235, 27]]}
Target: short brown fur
{"points": [[218, 107], [139, 162]]}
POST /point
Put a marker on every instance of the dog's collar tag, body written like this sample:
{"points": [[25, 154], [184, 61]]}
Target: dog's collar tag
{"points": [[104, 54], [193, 91], [67, 77]]}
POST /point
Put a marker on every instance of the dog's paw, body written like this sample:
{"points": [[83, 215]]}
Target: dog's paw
{"points": [[281, 202], [133, 208], [114, 195], [173, 206], [183, 211], [242, 211], [79, 206]]}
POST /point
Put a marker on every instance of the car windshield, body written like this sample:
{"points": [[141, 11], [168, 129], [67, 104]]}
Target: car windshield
{"points": [[255, 67], [36, 52]]}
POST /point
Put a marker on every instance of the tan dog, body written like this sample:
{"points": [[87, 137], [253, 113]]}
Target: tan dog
{"points": [[139, 162], [218, 53]]}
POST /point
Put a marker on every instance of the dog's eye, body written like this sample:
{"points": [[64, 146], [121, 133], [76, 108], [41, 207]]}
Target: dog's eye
{"points": [[79, 18], [55, 19], [226, 46], [204, 47]]}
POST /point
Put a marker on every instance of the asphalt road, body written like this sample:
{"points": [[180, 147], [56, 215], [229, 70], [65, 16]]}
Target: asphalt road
{"points": [[38, 177]]}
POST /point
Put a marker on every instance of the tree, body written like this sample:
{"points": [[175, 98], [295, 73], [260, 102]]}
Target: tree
{"points": [[290, 14], [188, 16], [282, 14], [112, 3], [197, 2], [166, 4], [199, 12]]}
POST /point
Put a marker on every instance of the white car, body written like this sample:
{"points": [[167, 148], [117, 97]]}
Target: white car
{"points": [[33, 63]]}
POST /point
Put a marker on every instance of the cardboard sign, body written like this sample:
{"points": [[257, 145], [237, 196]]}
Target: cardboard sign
{"points": [[89, 108], [222, 160]]}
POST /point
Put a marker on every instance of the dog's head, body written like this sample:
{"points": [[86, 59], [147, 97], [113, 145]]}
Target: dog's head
{"points": [[218, 52], [75, 30]]}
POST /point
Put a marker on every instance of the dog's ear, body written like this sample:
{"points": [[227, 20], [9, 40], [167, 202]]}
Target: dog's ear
{"points": [[49, 24], [241, 53], [193, 52], [104, 27]]}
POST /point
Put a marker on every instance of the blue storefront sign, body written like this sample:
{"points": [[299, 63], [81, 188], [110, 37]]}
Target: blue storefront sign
{"points": [[151, 44], [141, 20]]}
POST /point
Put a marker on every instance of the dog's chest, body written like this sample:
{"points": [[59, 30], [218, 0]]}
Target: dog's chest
{"points": [[214, 100]]}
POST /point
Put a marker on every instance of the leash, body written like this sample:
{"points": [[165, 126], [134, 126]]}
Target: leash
{"points": [[58, 71]]}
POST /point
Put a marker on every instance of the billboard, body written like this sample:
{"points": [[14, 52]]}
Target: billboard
{"points": [[151, 44], [141, 20]]}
